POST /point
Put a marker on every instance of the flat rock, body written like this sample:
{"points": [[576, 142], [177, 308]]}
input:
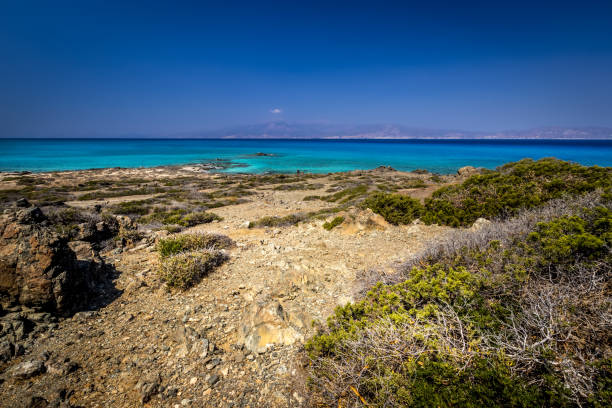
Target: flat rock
{"points": [[28, 369]]}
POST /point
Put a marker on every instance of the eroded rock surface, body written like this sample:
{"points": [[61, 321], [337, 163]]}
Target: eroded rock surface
{"points": [[37, 267]]}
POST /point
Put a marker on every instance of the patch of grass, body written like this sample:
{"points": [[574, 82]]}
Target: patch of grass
{"points": [[191, 242], [333, 223], [395, 208], [186, 269]]}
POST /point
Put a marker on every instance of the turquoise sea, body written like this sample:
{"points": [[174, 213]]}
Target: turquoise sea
{"points": [[317, 156]]}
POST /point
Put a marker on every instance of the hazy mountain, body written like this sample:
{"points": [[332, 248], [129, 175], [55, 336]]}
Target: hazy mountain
{"points": [[289, 130]]}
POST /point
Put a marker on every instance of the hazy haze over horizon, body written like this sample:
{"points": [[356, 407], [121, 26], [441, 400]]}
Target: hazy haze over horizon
{"points": [[94, 69]]}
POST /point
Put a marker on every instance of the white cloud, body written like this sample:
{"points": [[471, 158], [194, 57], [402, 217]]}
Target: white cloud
{"points": [[276, 111]]}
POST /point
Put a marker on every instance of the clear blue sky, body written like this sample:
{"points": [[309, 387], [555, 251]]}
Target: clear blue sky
{"points": [[89, 68]]}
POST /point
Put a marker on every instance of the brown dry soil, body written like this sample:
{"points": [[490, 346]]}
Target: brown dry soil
{"points": [[236, 338]]}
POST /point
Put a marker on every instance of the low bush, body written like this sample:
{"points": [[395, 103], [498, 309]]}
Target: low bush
{"points": [[181, 217], [395, 208], [348, 194], [137, 207], [186, 269], [333, 223], [196, 218], [274, 221], [191, 242], [514, 186], [311, 198], [514, 314]]}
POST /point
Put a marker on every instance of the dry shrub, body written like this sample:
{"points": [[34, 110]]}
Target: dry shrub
{"points": [[187, 268], [190, 242], [516, 313]]}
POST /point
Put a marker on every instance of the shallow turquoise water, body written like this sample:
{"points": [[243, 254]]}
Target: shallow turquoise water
{"points": [[320, 156]]}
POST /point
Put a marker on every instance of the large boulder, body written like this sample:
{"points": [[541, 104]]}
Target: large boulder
{"points": [[37, 267], [467, 171]]}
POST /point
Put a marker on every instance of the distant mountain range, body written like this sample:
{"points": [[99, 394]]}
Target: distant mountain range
{"points": [[288, 130]]}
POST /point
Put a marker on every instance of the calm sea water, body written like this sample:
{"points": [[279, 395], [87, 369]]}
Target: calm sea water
{"points": [[320, 156]]}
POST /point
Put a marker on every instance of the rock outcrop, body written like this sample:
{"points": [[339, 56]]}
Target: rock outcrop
{"points": [[467, 171], [38, 269], [268, 325]]}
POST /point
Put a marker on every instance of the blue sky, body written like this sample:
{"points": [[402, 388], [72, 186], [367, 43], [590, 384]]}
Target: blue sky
{"points": [[122, 68]]}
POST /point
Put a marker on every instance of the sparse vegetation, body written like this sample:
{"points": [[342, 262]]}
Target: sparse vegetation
{"points": [[395, 208], [333, 223], [514, 186], [137, 207], [514, 314], [274, 221], [186, 269], [180, 216], [191, 242]]}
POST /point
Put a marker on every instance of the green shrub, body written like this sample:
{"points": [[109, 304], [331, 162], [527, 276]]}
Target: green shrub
{"points": [[333, 223], [348, 194], [190, 242], [514, 186], [485, 325], [180, 217], [275, 221], [196, 218], [172, 228], [138, 207], [395, 208], [186, 269], [311, 198]]}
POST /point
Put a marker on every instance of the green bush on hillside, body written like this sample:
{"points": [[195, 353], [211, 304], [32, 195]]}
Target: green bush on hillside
{"points": [[519, 322], [514, 186], [333, 223], [395, 208], [181, 217], [274, 221]]}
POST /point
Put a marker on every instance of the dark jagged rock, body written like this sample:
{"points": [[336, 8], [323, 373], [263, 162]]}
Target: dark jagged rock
{"points": [[37, 267]]}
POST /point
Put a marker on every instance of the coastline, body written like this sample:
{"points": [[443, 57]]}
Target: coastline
{"points": [[288, 156]]}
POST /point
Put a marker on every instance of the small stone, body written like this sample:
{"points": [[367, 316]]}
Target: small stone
{"points": [[213, 379], [239, 358], [185, 402], [28, 369], [61, 367], [193, 380], [298, 398]]}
